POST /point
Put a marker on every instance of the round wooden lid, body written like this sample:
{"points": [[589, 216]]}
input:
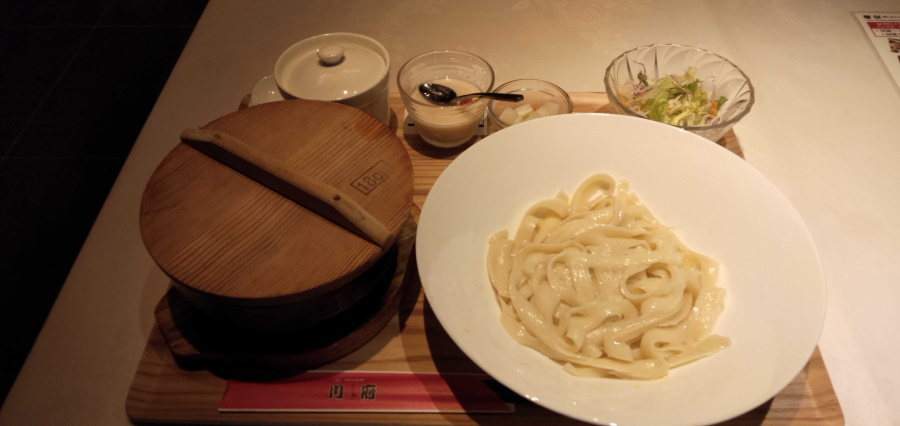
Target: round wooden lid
{"points": [[220, 232]]}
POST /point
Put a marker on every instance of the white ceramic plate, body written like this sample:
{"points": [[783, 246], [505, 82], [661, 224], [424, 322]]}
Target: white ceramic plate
{"points": [[719, 206]]}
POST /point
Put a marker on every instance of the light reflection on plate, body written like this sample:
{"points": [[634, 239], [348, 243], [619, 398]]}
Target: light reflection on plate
{"points": [[718, 204]]}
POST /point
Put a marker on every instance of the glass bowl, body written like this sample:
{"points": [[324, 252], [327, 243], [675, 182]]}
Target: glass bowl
{"points": [[537, 93], [445, 126], [718, 77]]}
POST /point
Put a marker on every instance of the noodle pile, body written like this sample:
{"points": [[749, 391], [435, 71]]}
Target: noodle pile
{"points": [[597, 283]]}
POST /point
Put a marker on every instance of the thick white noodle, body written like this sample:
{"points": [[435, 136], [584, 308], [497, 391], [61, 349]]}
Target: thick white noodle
{"points": [[597, 283]]}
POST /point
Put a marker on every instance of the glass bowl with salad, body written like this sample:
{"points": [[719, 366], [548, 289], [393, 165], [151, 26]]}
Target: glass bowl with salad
{"points": [[686, 87]]}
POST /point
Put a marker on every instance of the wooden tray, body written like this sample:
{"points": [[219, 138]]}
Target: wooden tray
{"points": [[415, 341]]}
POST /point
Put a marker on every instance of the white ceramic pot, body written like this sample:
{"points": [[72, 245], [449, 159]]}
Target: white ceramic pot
{"points": [[346, 68]]}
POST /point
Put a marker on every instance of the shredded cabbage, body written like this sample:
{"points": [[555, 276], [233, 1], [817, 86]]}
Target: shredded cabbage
{"points": [[673, 99]]}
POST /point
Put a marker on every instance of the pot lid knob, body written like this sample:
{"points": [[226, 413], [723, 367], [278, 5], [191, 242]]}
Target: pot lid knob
{"points": [[330, 54]]}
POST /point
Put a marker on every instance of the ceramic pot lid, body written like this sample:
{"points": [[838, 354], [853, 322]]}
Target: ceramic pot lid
{"points": [[331, 67], [225, 235]]}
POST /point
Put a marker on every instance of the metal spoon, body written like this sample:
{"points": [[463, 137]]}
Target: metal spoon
{"points": [[441, 94]]}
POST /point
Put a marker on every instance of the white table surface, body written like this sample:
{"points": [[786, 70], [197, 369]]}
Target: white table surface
{"points": [[825, 129]]}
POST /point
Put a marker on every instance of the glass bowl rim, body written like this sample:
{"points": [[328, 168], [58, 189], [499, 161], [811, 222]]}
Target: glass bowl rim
{"points": [[724, 124]]}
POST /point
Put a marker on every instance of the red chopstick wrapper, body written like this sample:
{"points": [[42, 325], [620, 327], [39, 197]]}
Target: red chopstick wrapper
{"points": [[355, 391]]}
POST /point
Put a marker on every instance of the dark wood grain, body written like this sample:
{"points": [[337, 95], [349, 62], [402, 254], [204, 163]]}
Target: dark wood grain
{"points": [[197, 341]]}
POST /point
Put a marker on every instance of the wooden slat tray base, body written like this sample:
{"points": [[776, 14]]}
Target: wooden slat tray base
{"points": [[415, 341]]}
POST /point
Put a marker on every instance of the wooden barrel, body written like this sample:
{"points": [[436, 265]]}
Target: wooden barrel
{"points": [[243, 252]]}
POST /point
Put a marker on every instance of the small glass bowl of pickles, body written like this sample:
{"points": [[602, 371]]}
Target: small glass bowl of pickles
{"points": [[541, 99]]}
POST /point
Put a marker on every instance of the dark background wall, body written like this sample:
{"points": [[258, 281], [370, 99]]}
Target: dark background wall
{"points": [[77, 81]]}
